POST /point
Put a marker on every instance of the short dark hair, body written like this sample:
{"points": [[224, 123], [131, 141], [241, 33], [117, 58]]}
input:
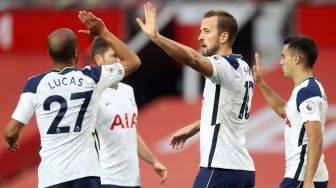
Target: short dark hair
{"points": [[99, 46], [305, 46], [62, 44], [225, 23]]}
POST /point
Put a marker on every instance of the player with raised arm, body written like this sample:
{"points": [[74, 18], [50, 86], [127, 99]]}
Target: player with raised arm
{"points": [[225, 161], [65, 102], [304, 113], [120, 144]]}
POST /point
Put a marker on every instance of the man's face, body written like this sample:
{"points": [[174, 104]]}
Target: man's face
{"points": [[208, 37], [287, 61], [108, 58]]}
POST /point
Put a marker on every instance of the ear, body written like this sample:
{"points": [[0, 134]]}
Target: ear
{"points": [[98, 59], [296, 59], [224, 37]]}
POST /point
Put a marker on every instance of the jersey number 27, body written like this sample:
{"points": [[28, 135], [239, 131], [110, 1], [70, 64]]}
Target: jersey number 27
{"points": [[54, 129]]}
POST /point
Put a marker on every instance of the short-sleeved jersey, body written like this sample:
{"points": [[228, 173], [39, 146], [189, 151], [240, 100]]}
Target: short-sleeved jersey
{"points": [[308, 102], [116, 130], [226, 104], [65, 105]]}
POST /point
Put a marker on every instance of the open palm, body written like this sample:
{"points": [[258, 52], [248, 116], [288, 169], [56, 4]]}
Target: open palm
{"points": [[150, 25]]}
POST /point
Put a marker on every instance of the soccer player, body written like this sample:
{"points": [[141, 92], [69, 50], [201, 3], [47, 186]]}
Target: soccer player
{"points": [[116, 123], [304, 113], [65, 102], [225, 161]]}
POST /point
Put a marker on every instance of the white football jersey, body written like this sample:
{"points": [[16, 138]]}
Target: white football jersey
{"points": [[226, 105], [65, 105], [308, 102], [117, 135]]}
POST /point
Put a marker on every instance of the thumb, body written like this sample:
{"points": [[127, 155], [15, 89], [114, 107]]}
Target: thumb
{"points": [[87, 32], [140, 23]]}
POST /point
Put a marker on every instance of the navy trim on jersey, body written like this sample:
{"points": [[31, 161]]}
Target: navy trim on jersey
{"points": [[33, 82], [301, 135], [302, 156], [213, 123], [312, 90], [232, 59], [93, 72], [64, 71]]}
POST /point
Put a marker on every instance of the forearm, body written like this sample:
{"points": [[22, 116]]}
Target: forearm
{"points": [[144, 152], [276, 102], [314, 154], [122, 50], [195, 128], [178, 51]]}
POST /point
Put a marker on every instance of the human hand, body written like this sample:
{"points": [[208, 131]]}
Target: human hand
{"points": [[94, 25], [150, 25], [180, 137], [161, 170], [14, 147], [308, 184], [256, 70]]}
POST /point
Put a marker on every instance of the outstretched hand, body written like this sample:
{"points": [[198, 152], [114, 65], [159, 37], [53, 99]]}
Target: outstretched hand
{"points": [[150, 25], [94, 25], [180, 137], [257, 73], [162, 171]]}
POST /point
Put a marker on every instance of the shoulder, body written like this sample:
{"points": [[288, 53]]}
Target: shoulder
{"points": [[125, 87], [92, 72], [33, 82], [309, 89], [234, 60]]}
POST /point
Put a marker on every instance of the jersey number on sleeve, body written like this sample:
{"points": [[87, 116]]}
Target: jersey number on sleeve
{"points": [[244, 111], [54, 129]]}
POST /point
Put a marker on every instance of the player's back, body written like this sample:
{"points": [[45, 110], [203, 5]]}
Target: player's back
{"points": [[65, 105]]}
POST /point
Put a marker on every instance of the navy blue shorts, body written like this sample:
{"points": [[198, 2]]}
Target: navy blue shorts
{"points": [[224, 178], [292, 183], [118, 186], [87, 182]]}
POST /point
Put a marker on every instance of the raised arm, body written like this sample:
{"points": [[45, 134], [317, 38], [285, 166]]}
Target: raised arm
{"points": [[12, 134], [145, 154], [273, 99], [180, 137], [129, 59], [180, 52]]}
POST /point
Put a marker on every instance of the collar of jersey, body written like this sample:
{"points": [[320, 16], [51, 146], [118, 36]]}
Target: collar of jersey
{"points": [[64, 71]]}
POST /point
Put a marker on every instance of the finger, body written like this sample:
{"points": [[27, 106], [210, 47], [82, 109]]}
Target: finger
{"points": [[141, 24], [182, 143], [91, 15], [151, 8], [257, 59], [164, 176], [87, 32]]}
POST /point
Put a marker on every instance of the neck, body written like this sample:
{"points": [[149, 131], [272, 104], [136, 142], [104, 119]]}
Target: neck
{"points": [[63, 64], [225, 52], [299, 78]]}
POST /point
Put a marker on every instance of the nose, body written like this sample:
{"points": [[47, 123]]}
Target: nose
{"points": [[200, 36]]}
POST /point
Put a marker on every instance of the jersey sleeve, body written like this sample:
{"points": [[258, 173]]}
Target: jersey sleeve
{"points": [[222, 71], [25, 108], [111, 74], [105, 75], [309, 109]]}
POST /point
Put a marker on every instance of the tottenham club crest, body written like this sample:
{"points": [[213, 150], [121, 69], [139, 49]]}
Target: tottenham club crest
{"points": [[309, 107]]}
